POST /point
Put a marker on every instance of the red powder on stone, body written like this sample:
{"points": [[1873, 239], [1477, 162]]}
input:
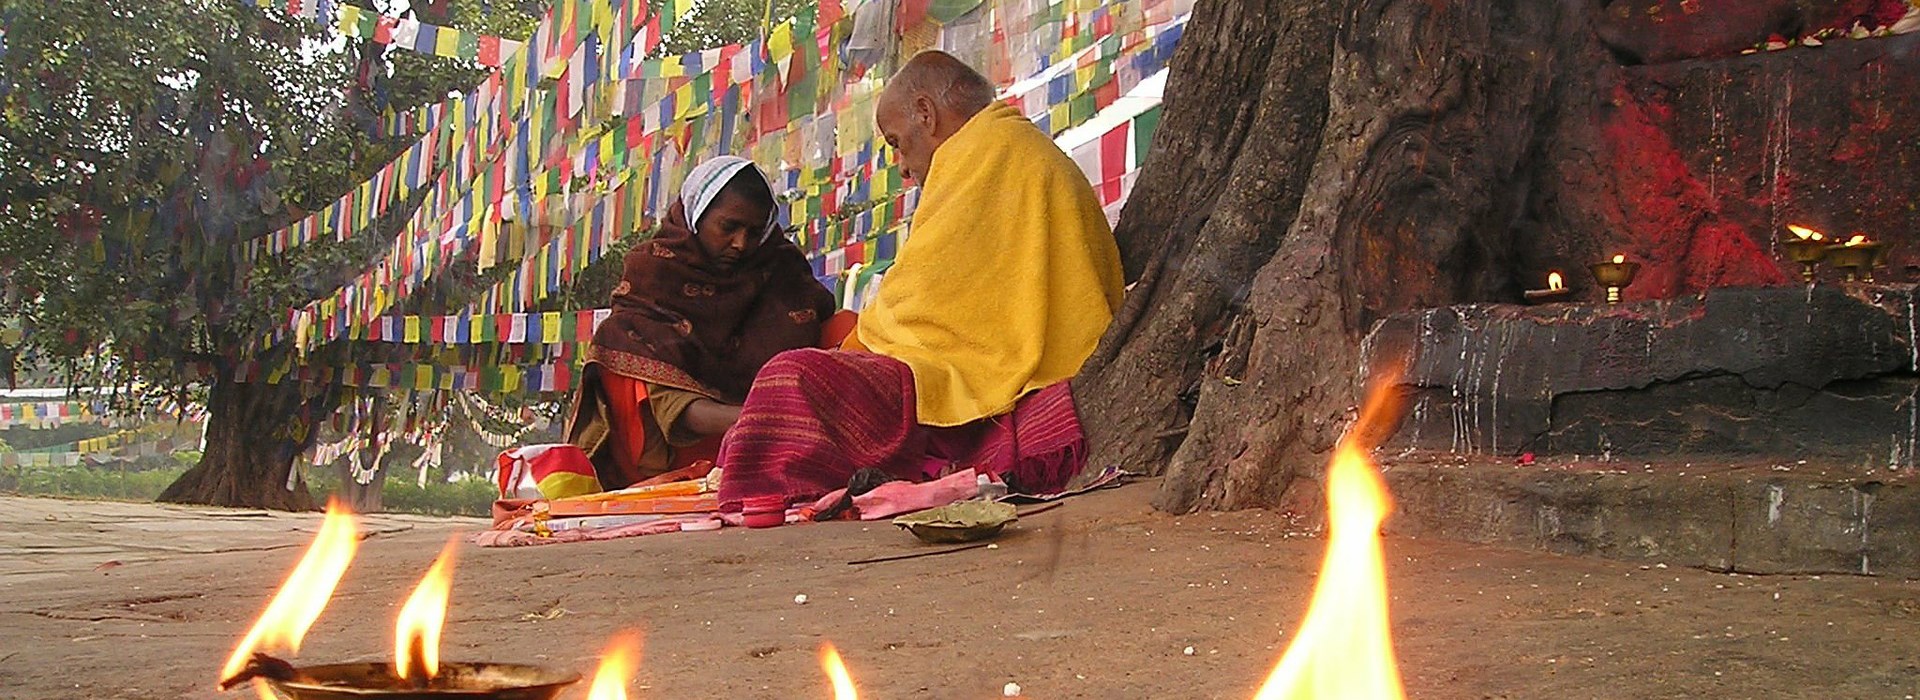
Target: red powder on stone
{"points": [[1672, 227]]}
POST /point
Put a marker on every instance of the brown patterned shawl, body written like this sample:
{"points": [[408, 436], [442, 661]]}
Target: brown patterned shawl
{"points": [[679, 322]]}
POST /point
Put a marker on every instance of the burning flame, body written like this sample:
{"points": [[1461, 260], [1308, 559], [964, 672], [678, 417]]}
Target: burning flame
{"points": [[1617, 259], [1857, 240], [1805, 234], [416, 635], [616, 667], [305, 593], [1554, 282], [1344, 649], [837, 673]]}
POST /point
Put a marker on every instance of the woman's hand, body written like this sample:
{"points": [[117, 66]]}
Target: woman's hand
{"points": [[707, 418]]}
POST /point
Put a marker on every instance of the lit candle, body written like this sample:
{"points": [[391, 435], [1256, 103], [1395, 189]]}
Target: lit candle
{"points": [[1804, 233], [1618, 259], [1858, 239], [1554, 282]]}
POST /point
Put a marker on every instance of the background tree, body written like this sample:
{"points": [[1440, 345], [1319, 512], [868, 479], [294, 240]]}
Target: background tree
{"points": [[146, 142]]}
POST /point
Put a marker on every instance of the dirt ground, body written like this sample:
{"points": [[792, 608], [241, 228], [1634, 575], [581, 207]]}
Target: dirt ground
{"points": [[1098, 599]]}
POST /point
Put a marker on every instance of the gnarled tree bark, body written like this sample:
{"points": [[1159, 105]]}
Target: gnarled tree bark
{"points": [[1378, 156], [254, 432]]}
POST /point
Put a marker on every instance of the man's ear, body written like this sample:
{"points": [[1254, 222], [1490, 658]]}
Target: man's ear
{"points": [[927, 112]]}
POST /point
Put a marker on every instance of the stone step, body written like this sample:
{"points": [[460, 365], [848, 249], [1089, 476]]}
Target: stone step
{"points": [[1751, 516], [1826, 372]]}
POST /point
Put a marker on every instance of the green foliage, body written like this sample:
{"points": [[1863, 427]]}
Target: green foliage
{"points": [[145, 479], [720, 22], [22, 438], [139, 481], [160, 136], [472, 497], [401, 493]]}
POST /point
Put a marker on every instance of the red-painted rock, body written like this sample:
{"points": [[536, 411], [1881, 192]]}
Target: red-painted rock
{"points": [[1694, 169]]}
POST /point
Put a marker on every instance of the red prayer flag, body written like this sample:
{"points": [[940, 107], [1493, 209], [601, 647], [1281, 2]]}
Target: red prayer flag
{"points": [[383, 29], [489, 50], [909, 14], [830, 12], [1107, 94], [1113, 162]]}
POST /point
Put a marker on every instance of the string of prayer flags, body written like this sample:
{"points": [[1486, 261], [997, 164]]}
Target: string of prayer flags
{"points": [[805, 118], [405, 33], [447, 42], [452, 218], [550, 327]]}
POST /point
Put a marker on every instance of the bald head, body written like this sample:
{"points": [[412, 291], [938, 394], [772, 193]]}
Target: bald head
{"points": [[924, 103], [952, 85]]}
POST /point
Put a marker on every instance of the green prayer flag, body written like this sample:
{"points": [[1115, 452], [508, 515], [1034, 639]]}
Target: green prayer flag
{"points": [[469, 47], [946, 11], [1143, 128], [1080, 109], [703, 89]]}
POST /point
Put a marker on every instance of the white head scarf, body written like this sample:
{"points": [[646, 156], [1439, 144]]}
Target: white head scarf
{"points": [[703, 184]]}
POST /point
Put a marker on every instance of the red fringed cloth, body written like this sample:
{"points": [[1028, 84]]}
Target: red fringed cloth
{"points": [[814, 417]]}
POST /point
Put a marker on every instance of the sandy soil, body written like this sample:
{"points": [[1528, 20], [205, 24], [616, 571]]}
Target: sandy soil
{"points": [[1098, 599]]}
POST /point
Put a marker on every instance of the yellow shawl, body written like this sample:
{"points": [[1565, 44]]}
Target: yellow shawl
{"points": [[1008, 277]]}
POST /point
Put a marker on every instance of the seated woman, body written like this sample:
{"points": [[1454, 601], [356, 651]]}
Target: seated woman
{"points": [[699, 309]]}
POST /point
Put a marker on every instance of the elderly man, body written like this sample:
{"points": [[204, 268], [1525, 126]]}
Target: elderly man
{"points": [[1007, 282]]}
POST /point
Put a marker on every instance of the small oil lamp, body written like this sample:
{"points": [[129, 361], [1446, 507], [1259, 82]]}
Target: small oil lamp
{"points": [[1614, 275], [1807, 247], [1858, 256], [1556, 289], [418, 671]]}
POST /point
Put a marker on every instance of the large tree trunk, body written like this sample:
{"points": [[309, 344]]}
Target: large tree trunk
{"points": [[1385, 165], [1217, 191], [254, 432]]}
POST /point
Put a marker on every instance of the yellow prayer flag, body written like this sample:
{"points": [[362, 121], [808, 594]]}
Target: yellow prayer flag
{"points": [[423, 377], [550, 327], [510, 379], [412, 333], [684, 98], [446, 42], [489, 243], [1057, 118], [780, 42], [350, 20]]}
